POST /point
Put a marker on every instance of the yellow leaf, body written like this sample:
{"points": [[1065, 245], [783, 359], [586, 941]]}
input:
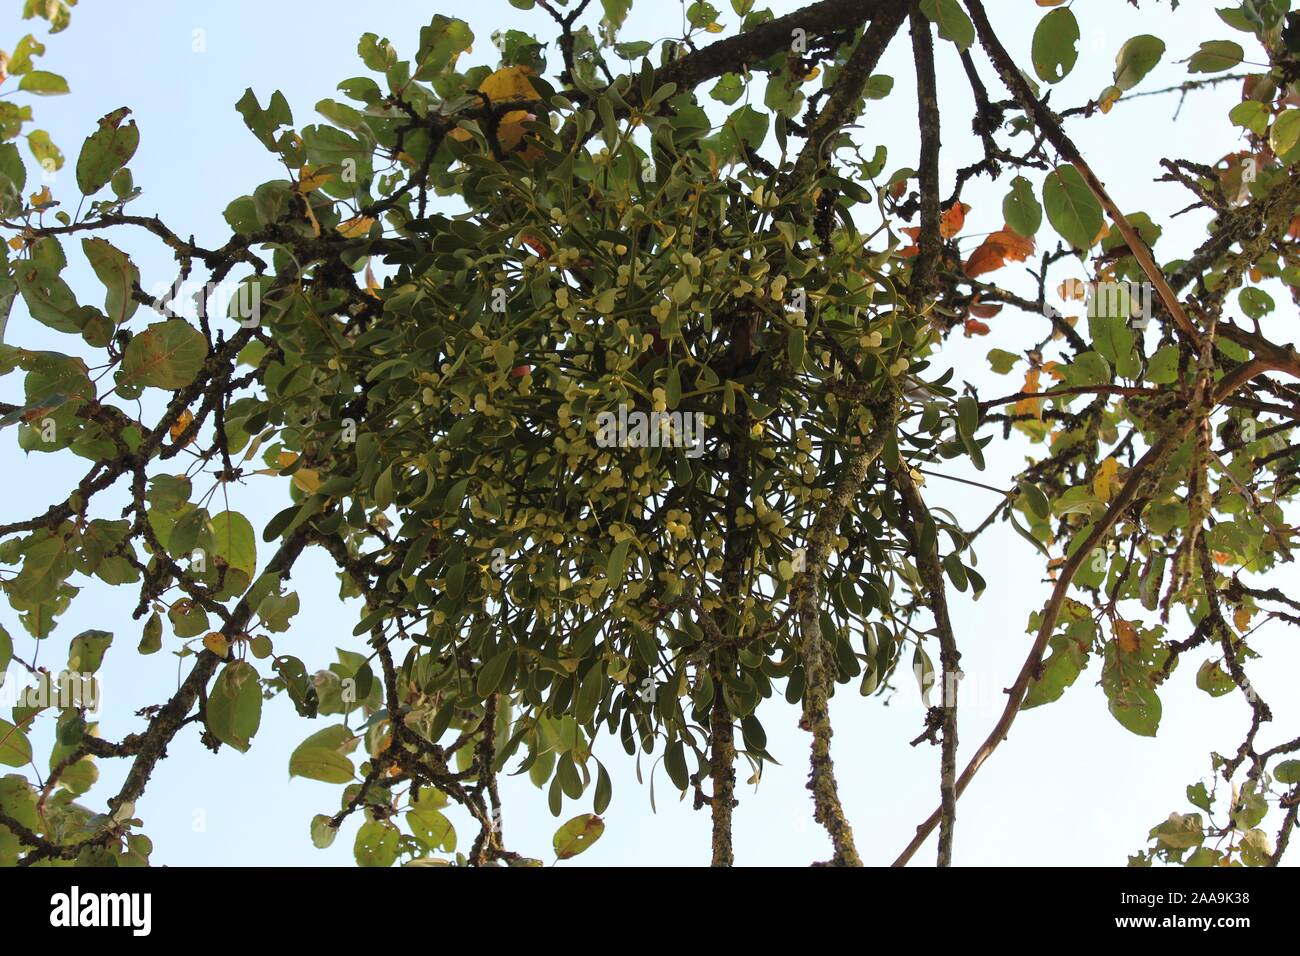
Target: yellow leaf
{"points": [[372, 287], [1241, 617], [1126, 636], [355, 227], [509, 83], [311, 217], [1103, 482], [287, 458], [307, 479], [178, 428], [42, 198], [308, 180], [216, 642]]}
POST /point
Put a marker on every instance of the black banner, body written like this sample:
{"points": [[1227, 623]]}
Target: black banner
{"points": [[170, 905]]}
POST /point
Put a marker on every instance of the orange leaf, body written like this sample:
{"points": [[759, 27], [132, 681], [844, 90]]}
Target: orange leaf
{"points": [[535, 244], [1126, 636], [914, 232], [953, 218], [981, 310], [976, 327], [511, 130], [1030, 406], [1072, 289], [997, 250]]}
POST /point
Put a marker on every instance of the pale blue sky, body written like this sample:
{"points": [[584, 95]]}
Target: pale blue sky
{"points": [[1070, 786]]}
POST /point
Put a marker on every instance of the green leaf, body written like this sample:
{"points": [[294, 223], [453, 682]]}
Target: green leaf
{"points": [[1035, 498], [119, 275], [167, 354], [15, 751], [320, 763], [323, 831], [106, 151], [615, 10], [235, 541], [1111, 335], [1137, 58], [1059, 671], [1180, 831], [1213, 679], [444, 39], [48, 297], [1072, 209], [12, 169], [376, 844], [43, 83], [1162, 369], [728, 89], [1214, 56], [43, 149], [605, 789], [492, 671], [1285, 133], [1197, 796], [432, 828], [1251, 114], [750, 125], [1002, 361], [6, 651], [1020, 208], [1288, 771], [951, 20], [275, 610], [86, 652], [617, 564], [576, 835], [455, 497], [1054, 49], [795, 348], [265, 122], [151, 639], [1256, 303], [234, 710], [21, 60], [878, 86], [1126, 681]]}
